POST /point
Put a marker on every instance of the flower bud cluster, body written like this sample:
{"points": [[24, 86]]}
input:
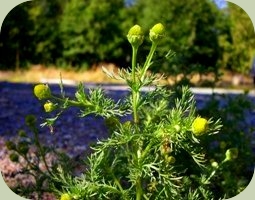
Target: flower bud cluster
{"points": [[231, 154], [199, 126], [49, 107], [157, 32], [42, 91], [135, 36], [65, 196], [166, 151]]}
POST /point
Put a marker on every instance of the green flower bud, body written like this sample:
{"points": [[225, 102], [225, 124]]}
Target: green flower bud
{"points": [[127, 125], [170, 160], [30, 120], [231, 154], [10, 145], [14, 157], [42, 91], [22, 148], [157, 32], [112, 122], [152, 186], [177, 128], [65, 196], [214, 164], [199, 126], [165, 149], [49, 107], [135, 36], [22, 133]]}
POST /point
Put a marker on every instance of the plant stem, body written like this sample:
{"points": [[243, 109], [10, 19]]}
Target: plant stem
{"points": [[116, 181], [148, 60], [135, 90], [41, 150], [138, 189], [72, 102], [147, 149], [134, 56]]}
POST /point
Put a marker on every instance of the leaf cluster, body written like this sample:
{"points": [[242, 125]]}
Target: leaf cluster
{"points": [[143, 152], [154, 152]]}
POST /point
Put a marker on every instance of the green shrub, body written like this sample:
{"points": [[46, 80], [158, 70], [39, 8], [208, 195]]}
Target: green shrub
{"points": [[157, 154], [236, 132], [158, 145]]}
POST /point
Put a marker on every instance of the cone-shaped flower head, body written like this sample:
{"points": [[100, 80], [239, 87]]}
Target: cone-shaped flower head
{"points": [[10, 145], [231, 154], [65, 196], [199, 126], [30, 120], [157, 32], [135, 36], [14, 157], [22, 147], [42, 91], [49, 107], [170, 159]]}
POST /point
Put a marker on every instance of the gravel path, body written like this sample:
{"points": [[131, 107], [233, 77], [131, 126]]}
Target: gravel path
{"points": [[71, 134]]}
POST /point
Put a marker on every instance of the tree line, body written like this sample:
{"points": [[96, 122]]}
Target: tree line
{"points": [[80, 33]]}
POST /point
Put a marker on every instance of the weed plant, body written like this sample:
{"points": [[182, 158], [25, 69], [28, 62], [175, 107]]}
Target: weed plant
{"points": [[155, 148], [33, 157]]}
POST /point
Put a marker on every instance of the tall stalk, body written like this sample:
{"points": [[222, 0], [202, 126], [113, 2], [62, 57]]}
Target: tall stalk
{"points": [[135, 91]]}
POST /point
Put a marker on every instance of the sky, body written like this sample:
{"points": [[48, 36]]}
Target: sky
{"points": [[221, 3]]}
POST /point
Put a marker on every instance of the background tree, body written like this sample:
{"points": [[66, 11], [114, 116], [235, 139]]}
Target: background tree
{"points": [[241, 50], [91, 31], [192, 32], [15, 40], [82, 33], [46, 16]]}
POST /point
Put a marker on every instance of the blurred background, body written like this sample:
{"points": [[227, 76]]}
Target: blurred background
{"points": [[214, 40]]}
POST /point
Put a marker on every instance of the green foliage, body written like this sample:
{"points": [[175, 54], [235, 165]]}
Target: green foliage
{"points": [[155, 152], [193, 37], [242, 40], [83, 33], [237, 132], [28, 151], [96, 37], [46, 17], [15, 38]]}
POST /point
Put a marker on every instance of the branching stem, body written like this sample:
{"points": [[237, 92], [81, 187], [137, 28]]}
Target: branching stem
{"points": [[148, 60]]}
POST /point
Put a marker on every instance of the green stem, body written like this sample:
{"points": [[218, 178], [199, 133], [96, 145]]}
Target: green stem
{"points": [[135, 91], [41, 150], [72, 102], [134, 56], [116, 181], [139, 190], [215, 170], [146, 150], [118, 184], [148, 60]]}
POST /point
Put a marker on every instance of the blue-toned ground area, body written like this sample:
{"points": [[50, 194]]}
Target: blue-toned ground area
{"points": [[74, 135], [71, 132]]}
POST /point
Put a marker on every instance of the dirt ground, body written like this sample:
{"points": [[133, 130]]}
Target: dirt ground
{"points": [[39, 73]]}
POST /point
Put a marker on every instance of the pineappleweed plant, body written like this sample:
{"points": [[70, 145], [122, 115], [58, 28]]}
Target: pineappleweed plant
{"points": [[153, 153]]}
